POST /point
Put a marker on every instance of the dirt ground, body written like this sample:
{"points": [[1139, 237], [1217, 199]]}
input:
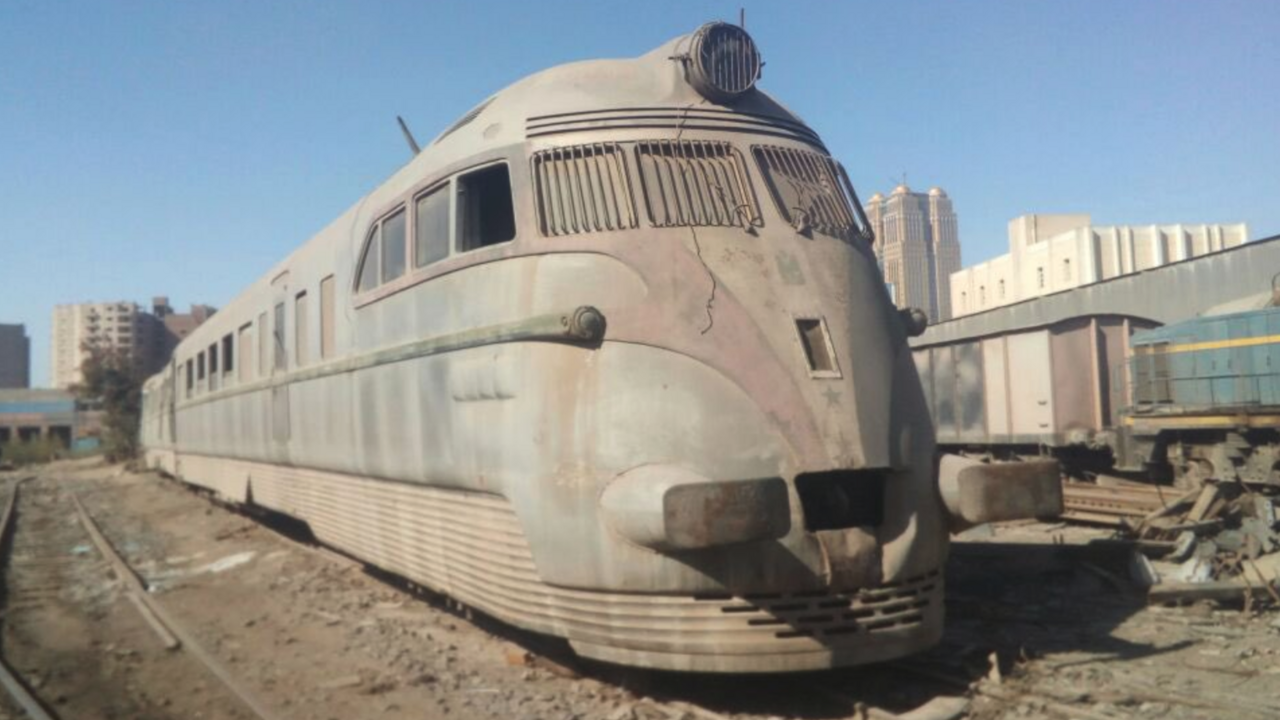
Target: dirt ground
{"points": [[314, 635]]}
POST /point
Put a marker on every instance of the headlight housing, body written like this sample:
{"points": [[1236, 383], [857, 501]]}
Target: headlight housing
{"points": [[723, 62]]}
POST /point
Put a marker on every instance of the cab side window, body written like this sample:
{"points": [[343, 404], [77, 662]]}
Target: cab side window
{"points": [[385, 251], [485, 214], [431, 226]]}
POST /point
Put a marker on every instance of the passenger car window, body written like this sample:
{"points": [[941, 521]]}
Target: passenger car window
{"points": [[431, 227], [300, 329], [485, 214], [393, 246], [262, 344], [228, 354], [326, 318], [277, 333], [369, 264], [246, 352], [213, 366]]}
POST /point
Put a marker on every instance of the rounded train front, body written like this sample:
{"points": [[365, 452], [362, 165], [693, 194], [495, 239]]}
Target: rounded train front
{"points": [[611, 360]]}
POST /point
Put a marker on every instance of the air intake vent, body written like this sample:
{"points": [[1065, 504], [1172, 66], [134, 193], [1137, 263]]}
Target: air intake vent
{"points": [[695, 183], [584, 188], [809, 189], [842, 498], [723, 61]]}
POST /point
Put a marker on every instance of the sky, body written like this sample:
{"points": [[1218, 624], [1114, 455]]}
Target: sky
{"points": [[181, 149]]}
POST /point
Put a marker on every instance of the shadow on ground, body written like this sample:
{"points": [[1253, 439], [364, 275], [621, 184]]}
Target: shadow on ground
{"points": [[1018, 600]]}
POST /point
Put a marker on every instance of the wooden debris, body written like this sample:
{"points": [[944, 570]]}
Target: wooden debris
{"points": [[1208, 496], [1219, 590]]}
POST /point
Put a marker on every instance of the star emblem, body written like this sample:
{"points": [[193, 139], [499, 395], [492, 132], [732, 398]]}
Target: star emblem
{"points": [[832, 396]]}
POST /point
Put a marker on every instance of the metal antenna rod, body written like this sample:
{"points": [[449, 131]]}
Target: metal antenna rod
{"points": [[742, 18], [408, 136]]}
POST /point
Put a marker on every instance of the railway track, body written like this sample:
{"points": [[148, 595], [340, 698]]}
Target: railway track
{"points": [[1113, 505], [62, 577]]}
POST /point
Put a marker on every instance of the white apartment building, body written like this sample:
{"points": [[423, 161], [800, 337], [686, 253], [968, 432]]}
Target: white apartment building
{"points": [[114, 324], [1052, 253]]}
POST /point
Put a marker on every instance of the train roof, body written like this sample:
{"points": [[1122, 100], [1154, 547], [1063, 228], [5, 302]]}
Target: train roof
{"points": [[651, 90]]}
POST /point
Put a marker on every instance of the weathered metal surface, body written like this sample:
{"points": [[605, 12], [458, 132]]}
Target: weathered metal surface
{"points": [[1213, 365], [1163, 295], [976, 492], [670, 508], [1057, 385], [701, 367]]}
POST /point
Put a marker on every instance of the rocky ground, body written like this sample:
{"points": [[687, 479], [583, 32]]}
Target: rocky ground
{"points": [[314, 635]]}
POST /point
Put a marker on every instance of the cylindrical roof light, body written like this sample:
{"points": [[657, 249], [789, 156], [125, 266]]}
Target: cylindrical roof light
{"points": [[723, 61]]}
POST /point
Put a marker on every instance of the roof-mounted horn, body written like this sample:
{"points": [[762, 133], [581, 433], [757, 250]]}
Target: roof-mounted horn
{"points": [[723, 62]]}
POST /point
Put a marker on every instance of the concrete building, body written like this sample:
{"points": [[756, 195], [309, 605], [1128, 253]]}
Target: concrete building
{"points": [[27, 415], [918, 247], [15, 357], [149, 337], [177, 325], [1051, 253], [112, 324]]}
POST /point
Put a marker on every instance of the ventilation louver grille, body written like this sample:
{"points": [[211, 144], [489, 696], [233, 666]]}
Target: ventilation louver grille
{"points": [[695, 183], [808, 189], [584, 188], [724, 62], [828, 615]]}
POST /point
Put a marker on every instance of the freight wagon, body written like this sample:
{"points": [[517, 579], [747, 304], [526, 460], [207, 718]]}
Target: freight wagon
{"points": [[1060, 385]]}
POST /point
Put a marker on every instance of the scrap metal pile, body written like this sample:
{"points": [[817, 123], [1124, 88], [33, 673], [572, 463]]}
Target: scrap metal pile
{"points": [[1219, 541]]}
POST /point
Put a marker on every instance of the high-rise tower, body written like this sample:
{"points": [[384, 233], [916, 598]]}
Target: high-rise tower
{"points": [[918, 246]]}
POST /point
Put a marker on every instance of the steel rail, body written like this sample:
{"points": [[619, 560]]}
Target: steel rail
{"points": [[28, 702], [188, 641]]}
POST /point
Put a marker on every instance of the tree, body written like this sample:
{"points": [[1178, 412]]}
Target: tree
{"points": [[112, 377]]}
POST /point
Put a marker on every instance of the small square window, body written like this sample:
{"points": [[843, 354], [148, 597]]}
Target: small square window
{"points": [[818, 351]]}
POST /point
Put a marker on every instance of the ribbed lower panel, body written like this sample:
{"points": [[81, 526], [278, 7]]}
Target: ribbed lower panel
{"points": [[471, 546], [160, 459]]}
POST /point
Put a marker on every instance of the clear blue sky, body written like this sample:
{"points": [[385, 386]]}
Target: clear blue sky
{"points": [[151, 148]]}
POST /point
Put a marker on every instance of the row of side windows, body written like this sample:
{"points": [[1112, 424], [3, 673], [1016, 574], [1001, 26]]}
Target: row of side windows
{"points": [[465, 213], [234, 357]]}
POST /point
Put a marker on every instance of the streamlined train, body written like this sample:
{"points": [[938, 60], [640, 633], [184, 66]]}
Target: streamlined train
{"points": [[610, 359]]}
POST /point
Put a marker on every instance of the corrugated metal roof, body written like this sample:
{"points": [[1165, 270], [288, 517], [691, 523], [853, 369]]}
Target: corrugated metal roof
{"points": [[1165, 294]]}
